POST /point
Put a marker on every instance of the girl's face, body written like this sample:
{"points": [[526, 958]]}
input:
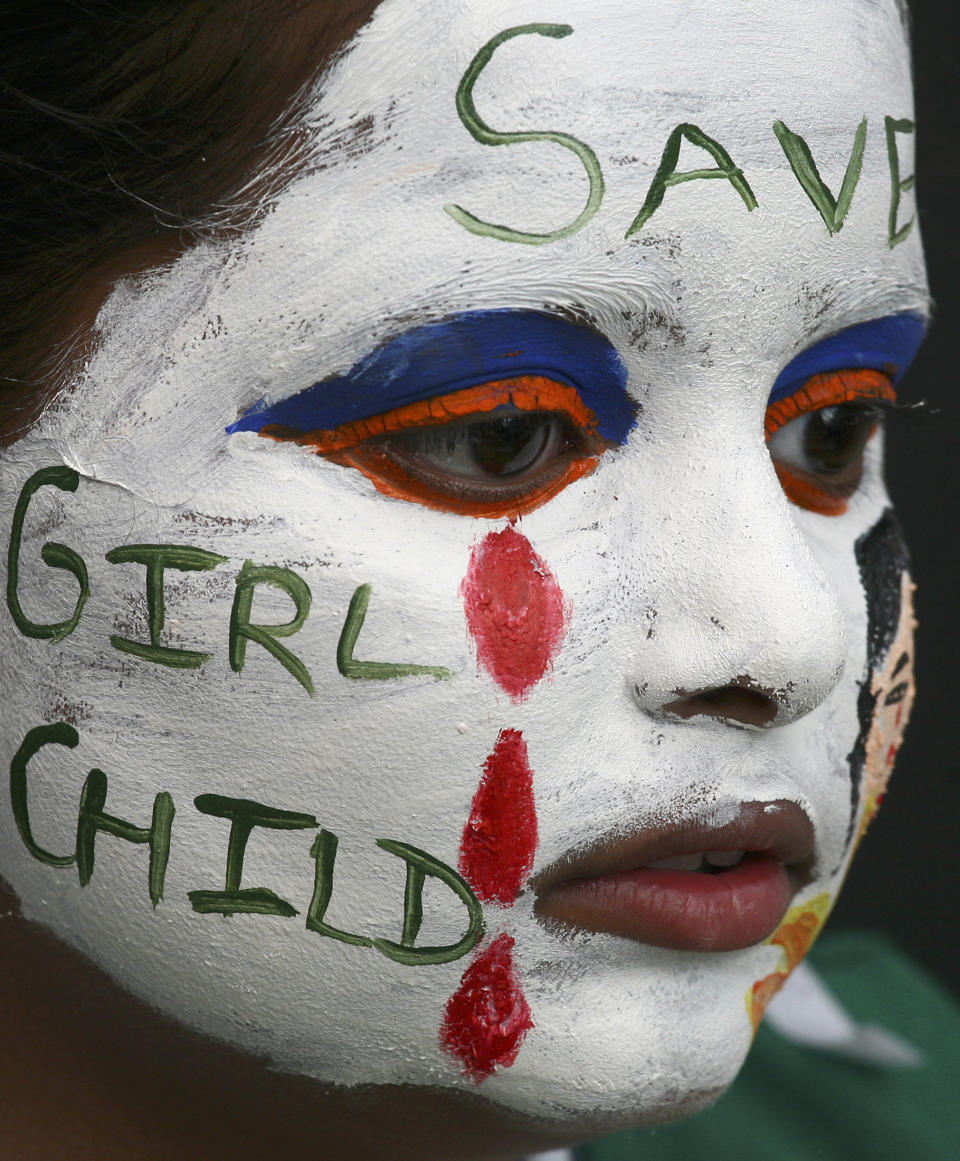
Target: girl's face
{"points": [[440, 576]]}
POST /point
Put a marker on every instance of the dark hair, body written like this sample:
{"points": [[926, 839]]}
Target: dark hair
{"points": [[133, 123]]}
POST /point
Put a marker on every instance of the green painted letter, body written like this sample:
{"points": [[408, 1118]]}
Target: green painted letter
{"points": [[53, 554], [91, 818], [158, 557], [482, 132], [832, 210], [244, 815], [58, 734], [419, 865], [324, 853], [373, 670], [241, 629], [667, 175], [893, 126]]}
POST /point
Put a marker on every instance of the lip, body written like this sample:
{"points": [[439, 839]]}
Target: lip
{"points": [[611, 888]]}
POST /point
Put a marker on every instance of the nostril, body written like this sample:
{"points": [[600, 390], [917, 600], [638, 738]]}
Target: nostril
{"points": [[738, 701]]}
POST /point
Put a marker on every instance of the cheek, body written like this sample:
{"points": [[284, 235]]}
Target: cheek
{"points": [[887, 691], [893, 691], [886, 694]]}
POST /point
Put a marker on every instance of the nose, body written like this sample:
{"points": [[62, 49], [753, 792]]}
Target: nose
{"points": [[736, 619]]}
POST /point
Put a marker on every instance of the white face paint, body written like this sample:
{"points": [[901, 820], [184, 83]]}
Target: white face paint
{"points": [[679, 564]]}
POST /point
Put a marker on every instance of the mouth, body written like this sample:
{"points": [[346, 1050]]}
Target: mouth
{"points": [[693, 886]]}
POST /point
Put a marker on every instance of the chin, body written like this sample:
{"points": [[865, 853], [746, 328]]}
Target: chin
{"points": [[627, 1036], [562, 1128]]}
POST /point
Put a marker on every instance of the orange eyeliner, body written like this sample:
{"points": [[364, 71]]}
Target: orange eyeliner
{"points": [[806, 494], [524, 393], [828, 390], [357, 444]]}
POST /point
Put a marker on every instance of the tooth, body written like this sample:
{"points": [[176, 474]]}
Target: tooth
{"points": [[723, 858], [679, 863]]}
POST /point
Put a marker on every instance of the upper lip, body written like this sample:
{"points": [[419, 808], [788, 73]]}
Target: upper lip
{"points": [[779, 830]]}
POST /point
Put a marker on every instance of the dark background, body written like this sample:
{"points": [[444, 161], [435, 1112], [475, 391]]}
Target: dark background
{"points": [[905, 880]]}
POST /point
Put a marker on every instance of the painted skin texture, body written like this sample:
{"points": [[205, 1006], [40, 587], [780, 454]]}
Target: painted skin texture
{"points": [[679, 563]]}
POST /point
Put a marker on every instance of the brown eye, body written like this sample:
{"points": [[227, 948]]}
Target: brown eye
{"points": [[501, 448], [835, 436], [828, 442], [501, 463], [817, 436]]}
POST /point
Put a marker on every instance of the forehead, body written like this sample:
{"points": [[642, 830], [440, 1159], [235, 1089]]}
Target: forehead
{"points": [[362, 244], [621, 71], [667, 44], [394, 151]]}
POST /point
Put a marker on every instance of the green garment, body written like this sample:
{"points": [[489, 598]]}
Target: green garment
{"points": [[797, 1104]]}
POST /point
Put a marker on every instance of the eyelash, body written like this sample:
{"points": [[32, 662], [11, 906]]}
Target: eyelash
{"points": [[375, 446]]}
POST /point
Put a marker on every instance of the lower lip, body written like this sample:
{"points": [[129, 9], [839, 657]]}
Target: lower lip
{"points": [[684, 910]]}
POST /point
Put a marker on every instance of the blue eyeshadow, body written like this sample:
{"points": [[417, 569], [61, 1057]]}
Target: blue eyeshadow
{"points": [[462, 351], [883, 344]]}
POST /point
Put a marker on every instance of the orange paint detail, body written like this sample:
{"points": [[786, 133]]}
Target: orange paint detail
{"points": [[356, 444], [763, 992], [806, 494], [796, 935], [827, 390], [524, 393]]}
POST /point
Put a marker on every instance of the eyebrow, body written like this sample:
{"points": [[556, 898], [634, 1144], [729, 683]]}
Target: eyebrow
{"points": [[465, 350], [886, 344]]}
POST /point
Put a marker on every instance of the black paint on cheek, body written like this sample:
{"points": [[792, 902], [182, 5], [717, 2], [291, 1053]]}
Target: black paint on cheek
{"points": [[882, 558], [866, 704]]}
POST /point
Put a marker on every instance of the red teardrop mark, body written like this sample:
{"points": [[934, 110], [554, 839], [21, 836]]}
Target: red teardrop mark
{"points": [[515, 610], [487, 1017], [500, 837]]}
